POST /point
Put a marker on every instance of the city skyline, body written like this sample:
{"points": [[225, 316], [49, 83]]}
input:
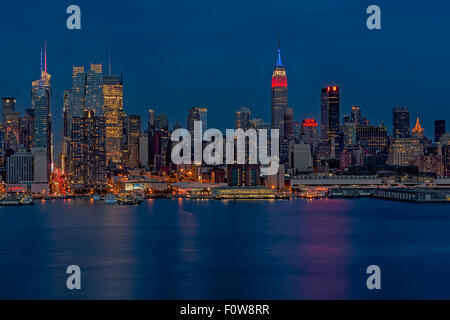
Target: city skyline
{"points": [[158, 65]]}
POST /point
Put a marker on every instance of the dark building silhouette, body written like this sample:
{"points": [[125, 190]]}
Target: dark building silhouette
{"points": [[439, 129], [400, 122], [330, 112]]}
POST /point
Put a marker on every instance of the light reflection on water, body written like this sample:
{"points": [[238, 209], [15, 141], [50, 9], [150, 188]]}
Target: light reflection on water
{"points": [[189, 249]]}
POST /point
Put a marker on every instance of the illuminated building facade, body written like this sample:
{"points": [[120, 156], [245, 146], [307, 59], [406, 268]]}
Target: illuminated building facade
{"points": [[41, 93], [134, 131], [243, 175], [113, 110], [87, 91], [19, 167], [87, 152], [243, 119], [8, 105], [404, 150], [418, 132], [372, 138], [279, 96]]}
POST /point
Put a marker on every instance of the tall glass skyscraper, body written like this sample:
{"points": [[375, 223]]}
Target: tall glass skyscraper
{"points": [[87, 91], [41, 93]]}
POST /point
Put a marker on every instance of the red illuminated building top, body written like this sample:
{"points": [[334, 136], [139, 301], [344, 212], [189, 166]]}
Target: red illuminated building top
{"points": [[279, 78], [333, 88]]}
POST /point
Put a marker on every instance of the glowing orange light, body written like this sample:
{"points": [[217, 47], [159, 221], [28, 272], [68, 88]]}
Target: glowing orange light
{"points": [[334, 88]]}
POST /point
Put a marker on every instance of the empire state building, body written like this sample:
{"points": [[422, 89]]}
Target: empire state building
{"points": [[279, 96]]}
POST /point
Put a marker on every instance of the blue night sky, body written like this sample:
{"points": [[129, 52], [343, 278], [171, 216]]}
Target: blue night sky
{"points": [[220, 54]]}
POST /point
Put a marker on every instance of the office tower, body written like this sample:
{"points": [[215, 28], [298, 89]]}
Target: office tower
{"points": [[88, 152], [143, 150], [27, 129], [418, 131], [356, 115], [65, 144], [113, 109], [40, 164], [400, 122], [41, 93], [372, 138], [301, 158], [289, 123], [404, 150], [243, 118], [161, 123], [330, 112], [134, 131], [279, 96], [439, 129], [124, 141], [87, 91], [258, 123], [8, 105], [19, 167], [203, 112], [151, 120], [11, 130], [197, 114], [349, 133]]}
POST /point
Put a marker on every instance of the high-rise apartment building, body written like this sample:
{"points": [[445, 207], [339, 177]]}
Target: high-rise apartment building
{"points": [[88, 152]]}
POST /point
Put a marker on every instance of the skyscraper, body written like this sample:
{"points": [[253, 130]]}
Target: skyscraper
{"points": [[88, 152], [151, 120], [197, 114], [41, 93], [289, 124], [279, 96], [400, 122], [8, 105], [134, 131], [356, 115], [113, 109], [243, 118], [87, 91], [330, 112], [439, 129], [203, 112]]}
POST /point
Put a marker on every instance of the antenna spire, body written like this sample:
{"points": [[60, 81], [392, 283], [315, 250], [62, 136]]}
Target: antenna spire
{"points": [[40, 79], [45, 57], [279, 63], [109, 57]]}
